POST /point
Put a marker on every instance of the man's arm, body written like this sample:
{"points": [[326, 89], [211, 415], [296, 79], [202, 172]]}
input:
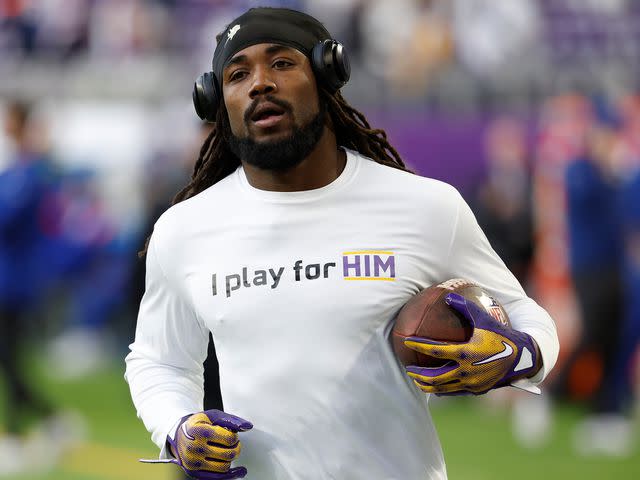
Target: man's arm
{"points": [[482, 363], [164, 369], [472, 257]]}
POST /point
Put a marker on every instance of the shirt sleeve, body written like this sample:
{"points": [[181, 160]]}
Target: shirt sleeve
{"points": [[471, 257], [164, 368]]}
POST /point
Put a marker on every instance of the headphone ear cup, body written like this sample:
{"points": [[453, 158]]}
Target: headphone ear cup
{"points": [[331, 64], [206, 97], [342, 64]]}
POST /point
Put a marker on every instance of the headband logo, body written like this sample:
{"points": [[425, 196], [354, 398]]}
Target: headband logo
{"points": [[233, 31]]}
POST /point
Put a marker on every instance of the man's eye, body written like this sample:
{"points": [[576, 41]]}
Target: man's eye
{"points": [[282, 63], [237, 75]]}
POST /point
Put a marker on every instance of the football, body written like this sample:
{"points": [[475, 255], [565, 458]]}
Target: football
{"points": [[427, 315]]}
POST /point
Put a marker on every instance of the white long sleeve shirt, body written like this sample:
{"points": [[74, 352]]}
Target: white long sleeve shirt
{"points": [[300, 290]]}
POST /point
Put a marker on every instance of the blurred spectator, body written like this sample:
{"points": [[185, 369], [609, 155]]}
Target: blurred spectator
{"points": [[592, 32], [596, 248], [30, 243], [563, 124], [124, 28], [612, 433], [90, 273], [629, 173], [405, 53], [62, 27], [492, 36], [47, 27], [18, 28], [24, 186], [624, 388], [342, 18], [503, 202]]}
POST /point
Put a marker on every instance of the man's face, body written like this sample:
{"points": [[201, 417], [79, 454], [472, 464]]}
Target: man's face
{"points": [[14, 123], [272, 102]]}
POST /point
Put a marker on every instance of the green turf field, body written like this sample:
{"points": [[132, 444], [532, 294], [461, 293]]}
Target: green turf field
{"points": [[477, 443]]}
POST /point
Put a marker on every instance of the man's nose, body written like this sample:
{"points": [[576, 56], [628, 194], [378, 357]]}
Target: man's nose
{"points": [[262, 84]]}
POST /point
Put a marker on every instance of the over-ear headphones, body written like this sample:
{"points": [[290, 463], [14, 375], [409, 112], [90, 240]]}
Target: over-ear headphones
{"points": [[206, 96], [331, 64], [329, 61]]}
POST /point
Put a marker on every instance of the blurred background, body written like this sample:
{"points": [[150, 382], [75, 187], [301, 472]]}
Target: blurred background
{"points": [[531, 108]]}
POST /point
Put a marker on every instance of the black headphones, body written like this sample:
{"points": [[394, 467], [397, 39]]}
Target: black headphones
{"points": [[329, 61]]}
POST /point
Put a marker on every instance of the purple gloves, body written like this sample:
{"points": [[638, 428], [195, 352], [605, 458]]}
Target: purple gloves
{"points": [[494, 356], [205, 443]]}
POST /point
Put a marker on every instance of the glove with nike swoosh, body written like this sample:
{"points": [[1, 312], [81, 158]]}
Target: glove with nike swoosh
{"points": [[493, 357], [205, 443]]}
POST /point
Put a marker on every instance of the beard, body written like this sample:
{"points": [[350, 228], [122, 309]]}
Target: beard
{"points": [[279, 155]]}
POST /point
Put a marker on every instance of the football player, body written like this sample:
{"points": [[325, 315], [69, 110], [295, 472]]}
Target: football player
{"points": [[298, 239]]}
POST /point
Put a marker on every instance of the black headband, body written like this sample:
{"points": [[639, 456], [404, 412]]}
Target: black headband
{"points": [[268, 25]]}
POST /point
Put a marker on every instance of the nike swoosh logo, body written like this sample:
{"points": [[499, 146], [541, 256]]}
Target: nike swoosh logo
{"points": [[186, 432], [503, 354]]}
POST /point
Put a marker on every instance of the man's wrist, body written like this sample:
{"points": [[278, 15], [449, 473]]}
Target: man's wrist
{"points": [[168, 447], [528, 363], [538, 357]]}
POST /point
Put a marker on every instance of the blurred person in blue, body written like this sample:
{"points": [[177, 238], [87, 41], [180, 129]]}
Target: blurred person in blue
{"points": [[24, 186], [612, 433], [37, 432], [624, 391], [596, 260], [89, 255], [18, 28]]}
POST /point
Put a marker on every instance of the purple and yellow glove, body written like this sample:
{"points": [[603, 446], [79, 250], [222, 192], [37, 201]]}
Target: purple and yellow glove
{"points": [[493, 357], [205, 443]]}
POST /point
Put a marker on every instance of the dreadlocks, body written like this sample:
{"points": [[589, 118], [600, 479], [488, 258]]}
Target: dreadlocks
{"points": [[352, 130], [214, 162]]}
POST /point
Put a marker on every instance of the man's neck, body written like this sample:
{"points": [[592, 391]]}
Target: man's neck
{"points": [[321, 167]]}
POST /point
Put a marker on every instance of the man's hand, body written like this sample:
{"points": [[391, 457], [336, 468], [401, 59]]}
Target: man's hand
{"points": [[494, 356], [205, 443]]}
